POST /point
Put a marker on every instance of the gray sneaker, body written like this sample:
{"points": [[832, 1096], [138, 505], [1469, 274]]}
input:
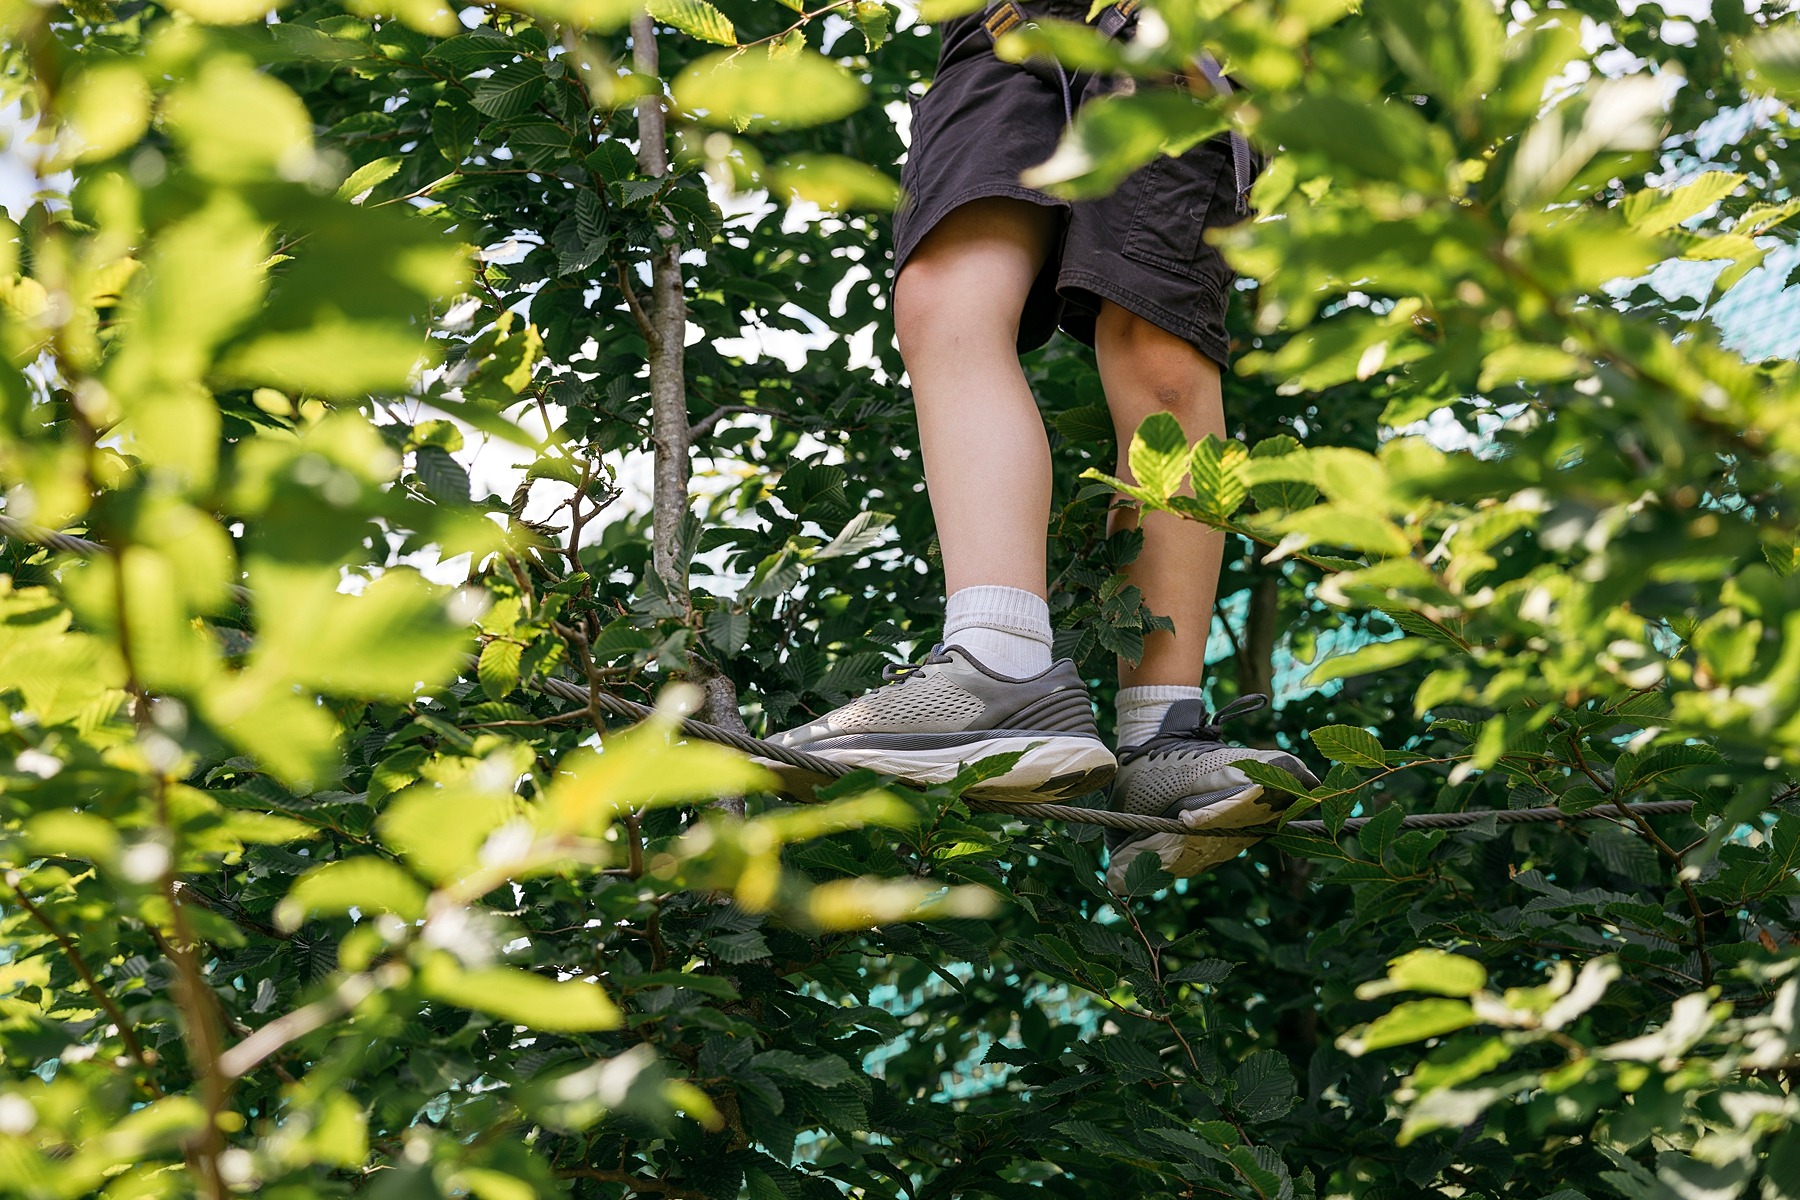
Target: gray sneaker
{"points": [[1186, 772], [935, 717]]}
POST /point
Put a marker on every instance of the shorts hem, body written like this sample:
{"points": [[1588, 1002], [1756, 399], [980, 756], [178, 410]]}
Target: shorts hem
{"points": [[918, 228], [1189, 330]]}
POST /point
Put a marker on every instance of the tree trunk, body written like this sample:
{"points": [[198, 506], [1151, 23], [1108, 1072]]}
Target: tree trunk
{"points": [[666, 337], [1262, 623]]}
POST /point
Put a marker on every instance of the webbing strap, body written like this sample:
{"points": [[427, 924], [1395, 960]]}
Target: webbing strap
{"points": [[1113, 20], [1007, 15]]}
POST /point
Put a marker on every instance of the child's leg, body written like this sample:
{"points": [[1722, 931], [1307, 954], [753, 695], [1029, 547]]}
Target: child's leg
{"points": [[1172, 759], [987, 459], [1147, 370], [994, 691]]}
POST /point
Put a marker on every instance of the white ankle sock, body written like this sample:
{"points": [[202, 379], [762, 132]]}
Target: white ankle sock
{"points": [[1141, 710], [1007, 628]]}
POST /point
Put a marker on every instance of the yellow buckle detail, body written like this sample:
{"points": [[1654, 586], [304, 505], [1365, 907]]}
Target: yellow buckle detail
{"points": [[1003, 19]]}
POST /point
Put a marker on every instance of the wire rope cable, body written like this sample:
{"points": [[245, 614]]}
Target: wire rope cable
{"points": [[618, 706]]}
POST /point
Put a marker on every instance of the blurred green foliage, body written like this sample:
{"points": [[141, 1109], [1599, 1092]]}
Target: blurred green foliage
{"points": [[305, 891]]}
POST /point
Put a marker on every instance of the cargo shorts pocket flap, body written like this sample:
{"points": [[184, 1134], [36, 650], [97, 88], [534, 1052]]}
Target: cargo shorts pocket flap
{"points": [[1177, 200]]}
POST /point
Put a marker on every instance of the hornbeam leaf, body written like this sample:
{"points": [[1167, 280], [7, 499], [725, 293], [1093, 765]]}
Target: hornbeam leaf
{"points": [[523, 998], [751, 90], [1217, 468], [1158, 455], [1349, 744], [1654, 210], [1413, 1021], [696, 18], [366, 883], [511, 90]]}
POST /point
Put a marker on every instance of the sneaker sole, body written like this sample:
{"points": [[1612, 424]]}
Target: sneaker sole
{"points": [[1055, 768], [1186, 857]]}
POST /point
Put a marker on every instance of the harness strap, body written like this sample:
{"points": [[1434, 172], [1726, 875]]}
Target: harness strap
{"points": [[1007, 15]]}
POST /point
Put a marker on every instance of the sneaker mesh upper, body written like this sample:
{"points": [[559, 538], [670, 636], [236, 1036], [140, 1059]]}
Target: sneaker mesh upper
{"points": [[1148, 786], [929, 704]]}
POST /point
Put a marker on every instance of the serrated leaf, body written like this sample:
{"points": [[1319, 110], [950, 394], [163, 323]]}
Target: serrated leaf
{"points": [[441, 474], [1146, 875], [1413, 1021], [1217, 468], [1158, 456], [522, 997], [1263, 1086], [696, 18], [727, 631], [1208, 970], [366, 883], [498, 668], [858, 534], [734, 948], [1367, 660], [742, 91], [511, 90], [1654, 210], [363, 180], [1349, 744]]}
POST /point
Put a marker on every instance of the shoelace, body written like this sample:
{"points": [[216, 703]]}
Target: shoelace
{"points": [[901, 672], [1211, 725], [1207, 732]]}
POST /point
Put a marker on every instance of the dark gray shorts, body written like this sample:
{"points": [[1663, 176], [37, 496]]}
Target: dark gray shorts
{"points": [[984, 121]]}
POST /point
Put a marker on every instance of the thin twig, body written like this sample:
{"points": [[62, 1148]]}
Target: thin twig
{"points": [[69, 949], [238, 1061]]}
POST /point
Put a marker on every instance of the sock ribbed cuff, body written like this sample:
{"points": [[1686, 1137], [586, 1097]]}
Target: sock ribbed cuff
{"points": [[1009, 609], [1140, 710], [1006, 628]]}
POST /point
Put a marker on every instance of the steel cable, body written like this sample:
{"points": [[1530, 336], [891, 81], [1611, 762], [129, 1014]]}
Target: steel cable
{"points": [[618, 706]]}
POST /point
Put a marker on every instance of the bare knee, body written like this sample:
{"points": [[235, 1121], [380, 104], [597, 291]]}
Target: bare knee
{"points": [[950, 302], [931, 306], [1156, 369], [965, 285]]}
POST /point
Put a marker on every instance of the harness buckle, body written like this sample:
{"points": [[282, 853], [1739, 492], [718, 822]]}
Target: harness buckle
{"points": [[1003, 19]]}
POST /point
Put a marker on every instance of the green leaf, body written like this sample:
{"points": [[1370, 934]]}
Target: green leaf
{"points": [[727, 631], [1158, 456], [387, 642], [1655, 211], [367, 884], [1427, 970], [873, 18], [1349, 744], [498, 669], [1354, 529], [1285, 485], [641, 768], [440, 831], [862, 532], [1774, 56], [696, 18], [1370, 659], [511, 90], [521, 997], [740, 90], [363, 180], [1263, 1086], [1217, 468], [835, 182], [1414, 1021], [441, 474]]}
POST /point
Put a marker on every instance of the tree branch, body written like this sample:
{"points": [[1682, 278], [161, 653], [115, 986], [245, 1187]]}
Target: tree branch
{"points": [[73, 954]]}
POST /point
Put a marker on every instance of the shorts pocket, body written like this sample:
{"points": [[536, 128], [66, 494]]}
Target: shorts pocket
{"points": [[1177, 200]]}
